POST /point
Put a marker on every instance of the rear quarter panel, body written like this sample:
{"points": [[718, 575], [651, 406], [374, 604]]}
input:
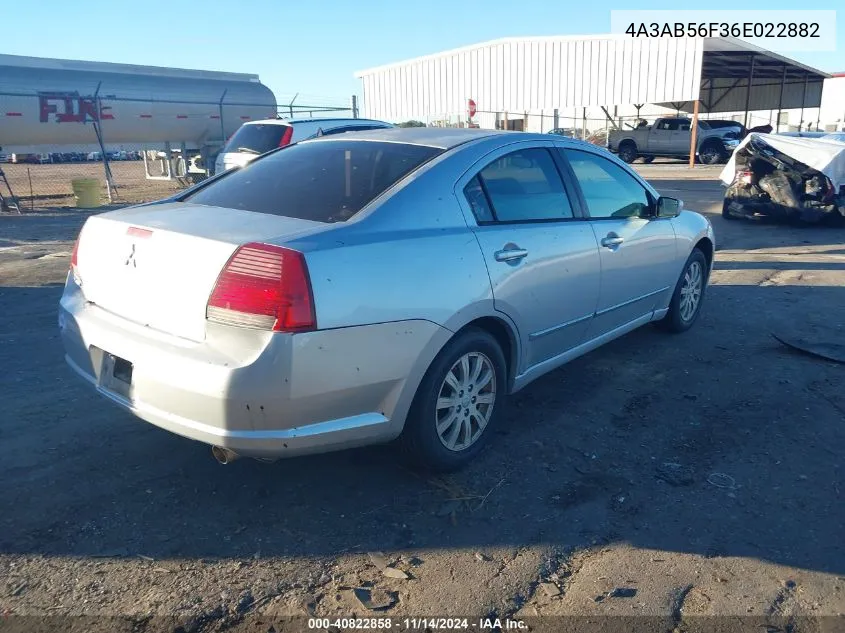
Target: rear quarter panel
{"points": [[410, 257], [409, 260]]}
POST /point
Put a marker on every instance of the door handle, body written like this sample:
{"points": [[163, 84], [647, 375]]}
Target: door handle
{"points": [[612, 240], [510, 254]]}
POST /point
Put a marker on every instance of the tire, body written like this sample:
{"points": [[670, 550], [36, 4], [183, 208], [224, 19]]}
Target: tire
{"points": [[726, 211], [628, 151], [712, 153], [421, 439], [648, 159], [678, 319]]}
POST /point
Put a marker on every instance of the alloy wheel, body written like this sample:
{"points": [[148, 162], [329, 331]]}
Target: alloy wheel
{"points": [[691, 290], [465, 401]]}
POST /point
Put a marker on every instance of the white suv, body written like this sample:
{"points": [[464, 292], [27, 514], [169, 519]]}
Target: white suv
{"points": [[254, 138]]}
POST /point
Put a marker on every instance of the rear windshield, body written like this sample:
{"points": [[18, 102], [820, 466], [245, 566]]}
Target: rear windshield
{"points": [[324, 181], [256, 139]]}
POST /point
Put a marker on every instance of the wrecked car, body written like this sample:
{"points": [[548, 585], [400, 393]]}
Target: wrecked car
{"points": [[791, 178]]}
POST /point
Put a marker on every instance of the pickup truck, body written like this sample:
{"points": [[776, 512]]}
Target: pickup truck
{"points": [[715, 140]]}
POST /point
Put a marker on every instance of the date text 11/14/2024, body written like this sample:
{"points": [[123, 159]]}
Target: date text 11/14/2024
{"points": [[420, 624]]}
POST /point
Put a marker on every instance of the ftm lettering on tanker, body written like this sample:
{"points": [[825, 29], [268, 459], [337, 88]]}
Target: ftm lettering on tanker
{"points": [[70, 107]]}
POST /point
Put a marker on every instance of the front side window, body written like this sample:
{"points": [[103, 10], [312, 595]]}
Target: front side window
{"points": [[323, 181], [609, 190], [522, 186]]}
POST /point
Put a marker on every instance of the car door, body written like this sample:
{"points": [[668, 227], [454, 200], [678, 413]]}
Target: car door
{"points": [[680, 139], [660, 137], [540, 252], [637, 250]]}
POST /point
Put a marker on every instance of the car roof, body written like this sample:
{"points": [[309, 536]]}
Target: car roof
{"points": [[440, 137], [445, 138], [314, 120]]}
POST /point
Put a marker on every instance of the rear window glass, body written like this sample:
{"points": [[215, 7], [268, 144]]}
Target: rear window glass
{"points": [[256, 139], [324, 181]]}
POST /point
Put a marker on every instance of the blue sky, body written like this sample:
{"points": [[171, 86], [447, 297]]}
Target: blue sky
{"points": [[313, 47]]}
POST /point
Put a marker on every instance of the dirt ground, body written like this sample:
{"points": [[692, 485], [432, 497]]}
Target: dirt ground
{"points": [[659, 483], [44, 186]]}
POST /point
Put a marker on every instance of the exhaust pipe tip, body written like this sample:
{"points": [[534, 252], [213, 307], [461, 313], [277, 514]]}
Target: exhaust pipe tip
{"points": [[224, 455]]}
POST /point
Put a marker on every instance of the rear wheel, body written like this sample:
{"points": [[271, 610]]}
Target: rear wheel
{"points": [[456, 403], [688, 296], [628, 151], [712, 153]]}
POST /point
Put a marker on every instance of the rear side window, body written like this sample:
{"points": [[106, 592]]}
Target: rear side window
{"points": [[477, 199], [256, 139], [323, 181], [524, 186], [669, 124]]}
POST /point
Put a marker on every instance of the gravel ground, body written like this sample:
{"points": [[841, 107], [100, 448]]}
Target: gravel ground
{"points": [[666, 479]]}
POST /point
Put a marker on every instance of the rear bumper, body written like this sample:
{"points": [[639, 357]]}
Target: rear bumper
{"points": [[259, 394]]}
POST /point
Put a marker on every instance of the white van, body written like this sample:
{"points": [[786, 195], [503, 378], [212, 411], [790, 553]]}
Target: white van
{"points": [[254, 138]]}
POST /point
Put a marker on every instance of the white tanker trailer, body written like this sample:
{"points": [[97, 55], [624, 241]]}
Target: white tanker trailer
{"points": [[49, 104]]}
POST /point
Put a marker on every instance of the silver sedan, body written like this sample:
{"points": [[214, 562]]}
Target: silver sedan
{"points": [[359, 288]]}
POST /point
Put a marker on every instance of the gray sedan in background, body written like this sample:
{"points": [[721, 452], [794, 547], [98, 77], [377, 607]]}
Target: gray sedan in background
{"points": [[359, 288]]}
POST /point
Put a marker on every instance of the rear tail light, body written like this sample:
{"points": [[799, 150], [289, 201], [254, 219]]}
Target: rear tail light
{"points": [[74, 256], [829, 192], [74, 261], [745, 177], [264, 287], [286, 137]]}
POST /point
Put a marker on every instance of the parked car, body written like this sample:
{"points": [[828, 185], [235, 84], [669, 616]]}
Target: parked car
{"points": [[803, 134], [254, 138], [94, 156], [352, 289], [715, 124], [37, 159], [771, 175], [672, 137], [839, 137], [571, 132]]}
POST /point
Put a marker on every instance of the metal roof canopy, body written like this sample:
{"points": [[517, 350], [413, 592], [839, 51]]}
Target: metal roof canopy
{"points": [[533, 73], [730, 65]]}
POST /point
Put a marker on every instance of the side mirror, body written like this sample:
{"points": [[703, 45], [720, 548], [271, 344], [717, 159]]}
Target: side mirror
{"points": [[669, 207]]}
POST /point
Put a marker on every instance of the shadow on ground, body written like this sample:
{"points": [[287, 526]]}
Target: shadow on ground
{"points": [[717, 442]]}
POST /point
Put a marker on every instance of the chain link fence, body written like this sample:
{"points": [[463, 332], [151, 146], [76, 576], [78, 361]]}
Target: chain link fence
{"points": [[44, 171], [595, 128]]}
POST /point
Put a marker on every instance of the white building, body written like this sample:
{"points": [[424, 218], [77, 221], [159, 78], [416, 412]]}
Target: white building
{"points": [[585, 82]]}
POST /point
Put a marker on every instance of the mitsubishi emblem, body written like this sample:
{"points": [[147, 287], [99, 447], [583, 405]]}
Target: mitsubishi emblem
{"points": [[131, 258]]}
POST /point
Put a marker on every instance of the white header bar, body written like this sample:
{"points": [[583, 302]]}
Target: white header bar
{"points": [[780, 31]]}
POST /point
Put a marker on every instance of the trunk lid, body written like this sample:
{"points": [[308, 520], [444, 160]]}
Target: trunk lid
{"points": [[157, 265]]}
